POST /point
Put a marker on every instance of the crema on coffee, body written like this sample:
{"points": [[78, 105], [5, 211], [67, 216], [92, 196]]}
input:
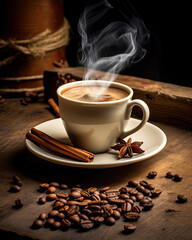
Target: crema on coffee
{"points": [[94, 93]]}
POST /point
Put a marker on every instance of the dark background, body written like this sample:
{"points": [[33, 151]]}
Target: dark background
{"points": [[168, 50]]}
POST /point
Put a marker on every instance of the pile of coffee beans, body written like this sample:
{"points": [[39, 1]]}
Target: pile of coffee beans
{"points": [[88, 208]]}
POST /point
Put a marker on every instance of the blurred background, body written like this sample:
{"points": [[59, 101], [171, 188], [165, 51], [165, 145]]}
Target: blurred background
{"points": [[168, 49]]}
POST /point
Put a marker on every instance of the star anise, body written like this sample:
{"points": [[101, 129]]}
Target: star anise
{"points": [[129, 148]]}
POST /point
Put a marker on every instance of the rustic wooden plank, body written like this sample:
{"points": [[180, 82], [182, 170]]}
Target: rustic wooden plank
{"points": [[168, 103], [16, 120]]}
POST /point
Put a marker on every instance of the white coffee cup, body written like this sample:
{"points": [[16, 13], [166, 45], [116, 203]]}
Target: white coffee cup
{"points": [[95, 126]]}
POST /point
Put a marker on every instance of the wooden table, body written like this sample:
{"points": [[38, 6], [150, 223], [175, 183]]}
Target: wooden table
{"points": [[159, 223]]}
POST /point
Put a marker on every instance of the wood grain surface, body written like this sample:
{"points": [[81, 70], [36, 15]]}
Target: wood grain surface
{"points": [[16, 120]]}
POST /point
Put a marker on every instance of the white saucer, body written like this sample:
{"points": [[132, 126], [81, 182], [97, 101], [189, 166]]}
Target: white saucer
{"points": [[153, 138]]}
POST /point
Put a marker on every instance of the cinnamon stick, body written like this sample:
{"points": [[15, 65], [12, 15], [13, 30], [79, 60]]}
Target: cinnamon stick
{"points": [[54, 107], [52, 144]]}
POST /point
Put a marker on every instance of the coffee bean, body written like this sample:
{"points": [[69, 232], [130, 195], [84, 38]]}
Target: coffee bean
{"points": [[129, 201], [150, 186], [129, 228], [124, 196], [132, 216], [126, 207], [155, 193], [16, 178], [14, 188], [54, 184], [56, 225], [139, 197], [133, 192], [65, 224], [132, 183], [95, 197], [63, 186], [94, 207], [102, 196], [147, 206], [53, 213], [104, 189], [43, 187], [91, 189], [18, 203], [83, 216], [116, 214], [146, 192], [18, 183], [133, 198], [143, 201], [73, 209], [140, 188], [112, 193], [117, 201], [49, 222], [75, 195], [75, 219], [177, 178], [42, 216], [107, 211], [87, 212], [51, 197], [76, 189], [60, 216], [123, 190], [169, 175], [181, 199], [86, 225], [42, 200], [152, 174], [82, 204], [98, 220], [137, 209], [51, 189], [110, 221], [143, 183], [37, 224]]}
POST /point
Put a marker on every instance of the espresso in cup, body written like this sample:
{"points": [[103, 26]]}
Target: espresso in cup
{"points": [[94, 93]]}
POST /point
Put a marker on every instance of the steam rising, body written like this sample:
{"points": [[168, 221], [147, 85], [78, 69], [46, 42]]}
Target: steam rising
{"points": [[111, 47]]}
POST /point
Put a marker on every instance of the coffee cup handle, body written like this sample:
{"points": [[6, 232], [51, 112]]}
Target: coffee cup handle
{"points": [[146, 113]]}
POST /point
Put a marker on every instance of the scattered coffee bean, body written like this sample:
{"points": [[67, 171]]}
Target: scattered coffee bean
{"points": [[152, 174], [177, 178], [14, 188], [37, 224], [139, 197], [18, 203], [126, 207], [110, 221], [169, 175], [16, 178], [51, 197], [132, 216], [51, 189], [132, 183], [146, 192], [42, 200], [147, 206], [155, 193], [181, 199], [18, 183], [140, 188], [86, 225], [42, 216], [43, 187], [129, 228], [63, 186]]}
